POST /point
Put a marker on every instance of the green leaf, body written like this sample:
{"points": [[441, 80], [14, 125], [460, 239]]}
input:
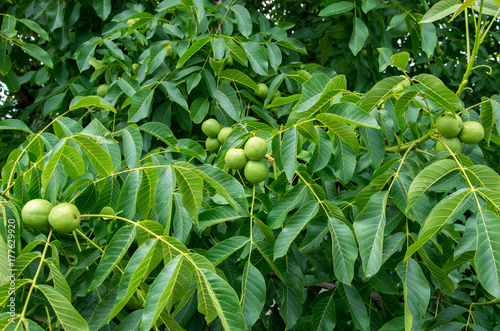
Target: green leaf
{"points": [[323, 316], [274, 55], [72, 162], [438, 273], [322, 152], [160, 131], [417, 294], [294, 226], [344, 250], [243, 19], [253, 293], [141, 105], [379, 92], [221, 251], [133, 274], [113, 253], [359, 35], [102, 8], [256, 56], [352, 114], [235, 51], [99, 158], [487, 258], [91, 101], [337, 8], [191, 188], [225, 301], [284, 205], [67, 315], [342, 130], [195, 47], [127, 201], [225, 185], [13, 124], [446, 211], [400, 60], [441, 9], [167, 288], [403, 102], [293, 44], [147, 191], [175, 94], [427, 177], [308, 131], [38, 53], [429, 38], [229, 101], [117, 52], [369, 229], [344, 160], [289, 152], [102, 310], [239, 77], [35, 27], [132, 146], [356, 306], [436, 89], [312, 90], [83, 57], [60, 282]]}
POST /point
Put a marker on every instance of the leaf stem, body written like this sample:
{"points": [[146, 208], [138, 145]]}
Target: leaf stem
{"points": [[33, 284], [409, 145]]}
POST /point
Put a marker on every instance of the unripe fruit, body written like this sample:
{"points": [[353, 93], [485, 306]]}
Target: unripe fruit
{"points": [[262, 90], [212, 144], [223, 134], [135, 68], [107, 211], [277, 94], [137, 300], [274, 112], [102, 90], [255, 172], [255, 148], [236, 158], [211, 128], [449, 125], [472, 133], [229, 61], [131, 22], [170, 50], [453, 143], [65, 217], [35, 213]]}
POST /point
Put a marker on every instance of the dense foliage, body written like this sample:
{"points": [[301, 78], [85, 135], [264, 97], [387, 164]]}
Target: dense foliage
{"points": [[360, 221]]}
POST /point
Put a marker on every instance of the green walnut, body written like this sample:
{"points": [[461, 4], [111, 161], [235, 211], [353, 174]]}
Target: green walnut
{"points": [[255, 148], [449, 125], [472, 133], [262, 90], [135, 68], [102, 90], [235, 158], [453, 143], [255, 172], [212, 144], [65, 217], [223, 134], [35, 213], [210, 128]]}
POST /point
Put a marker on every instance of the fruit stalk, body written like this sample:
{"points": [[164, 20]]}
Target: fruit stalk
{"points": [[404, 147]]}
